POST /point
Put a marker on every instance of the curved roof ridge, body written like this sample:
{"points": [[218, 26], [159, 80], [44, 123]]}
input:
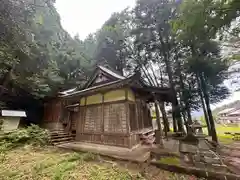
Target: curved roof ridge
{"points": [[112, 73]]}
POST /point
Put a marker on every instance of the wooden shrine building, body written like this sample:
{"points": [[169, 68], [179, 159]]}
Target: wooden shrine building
{"points": [[111, 109]]}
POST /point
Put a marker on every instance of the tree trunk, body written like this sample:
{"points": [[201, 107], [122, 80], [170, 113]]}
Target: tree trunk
{"points": [[176, 113], [158, 116], [209, 111], [178, 117], [7, 78], [206, 116], [174, 120], [189, 115], [204, 107], [164, 116], [158, 139]]}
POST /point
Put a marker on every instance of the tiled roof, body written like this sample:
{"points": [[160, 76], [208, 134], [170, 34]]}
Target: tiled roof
{"points": [[67, 91], [93, 88], [112, 73], [228, 110], [237, 112]]}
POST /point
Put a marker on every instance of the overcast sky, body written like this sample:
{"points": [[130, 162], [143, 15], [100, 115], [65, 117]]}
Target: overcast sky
{"points": [[86, 16]]}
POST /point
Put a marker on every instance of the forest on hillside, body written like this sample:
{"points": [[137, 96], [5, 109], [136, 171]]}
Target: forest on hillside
{"points": [[180, 44]]}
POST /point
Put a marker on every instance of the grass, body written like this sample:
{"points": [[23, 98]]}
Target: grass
{"points": [[222, 129], [170, 160], [48, 163], [224, 138]]}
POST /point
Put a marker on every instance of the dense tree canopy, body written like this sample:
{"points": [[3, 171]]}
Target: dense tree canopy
{"points": [[178, 44], [37, 55]]}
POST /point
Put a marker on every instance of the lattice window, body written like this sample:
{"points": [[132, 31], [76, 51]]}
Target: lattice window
{"points": [[93, 119], [74, 119], [146, 115], [140, 115], [65, 116], [115, 119], [133, 119]]}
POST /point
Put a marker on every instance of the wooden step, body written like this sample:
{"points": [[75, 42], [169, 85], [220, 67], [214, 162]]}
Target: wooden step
{"points": [[63, 136], [56, 131], [62, 142], [58, 134], [61, 139]]}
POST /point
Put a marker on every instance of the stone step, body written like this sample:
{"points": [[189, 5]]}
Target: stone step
{"points": [[150, 135], [217, 167], [208, 154], [212, 160], [148, 141]]}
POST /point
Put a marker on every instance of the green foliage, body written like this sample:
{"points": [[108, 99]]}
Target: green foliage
{"points": [[31, 135], [36, 53], [1, 124], [110, 41], [168, 43]]}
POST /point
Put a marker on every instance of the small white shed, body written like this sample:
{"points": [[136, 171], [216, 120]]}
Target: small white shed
{"points": [[10, 120]]}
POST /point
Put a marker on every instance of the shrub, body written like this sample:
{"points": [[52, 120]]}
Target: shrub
{"points": [[1, 124], [31, 135]]}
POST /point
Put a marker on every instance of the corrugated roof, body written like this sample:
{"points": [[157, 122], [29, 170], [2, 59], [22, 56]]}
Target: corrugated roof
{"points": [[11, 113]]}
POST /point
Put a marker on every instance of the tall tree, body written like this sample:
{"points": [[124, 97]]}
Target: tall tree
{"points": [[110, 41], [154, 38], [196, 28]]}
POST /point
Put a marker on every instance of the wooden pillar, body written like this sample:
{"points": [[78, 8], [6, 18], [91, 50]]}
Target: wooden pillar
{"points": [[102, 118], [142, 114], [136, 115], [84, 114], [127, 112], [128, 118], [78, 119]]}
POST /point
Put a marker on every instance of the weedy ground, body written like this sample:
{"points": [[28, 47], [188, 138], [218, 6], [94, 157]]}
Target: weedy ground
{"points": [[49, 163]]}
